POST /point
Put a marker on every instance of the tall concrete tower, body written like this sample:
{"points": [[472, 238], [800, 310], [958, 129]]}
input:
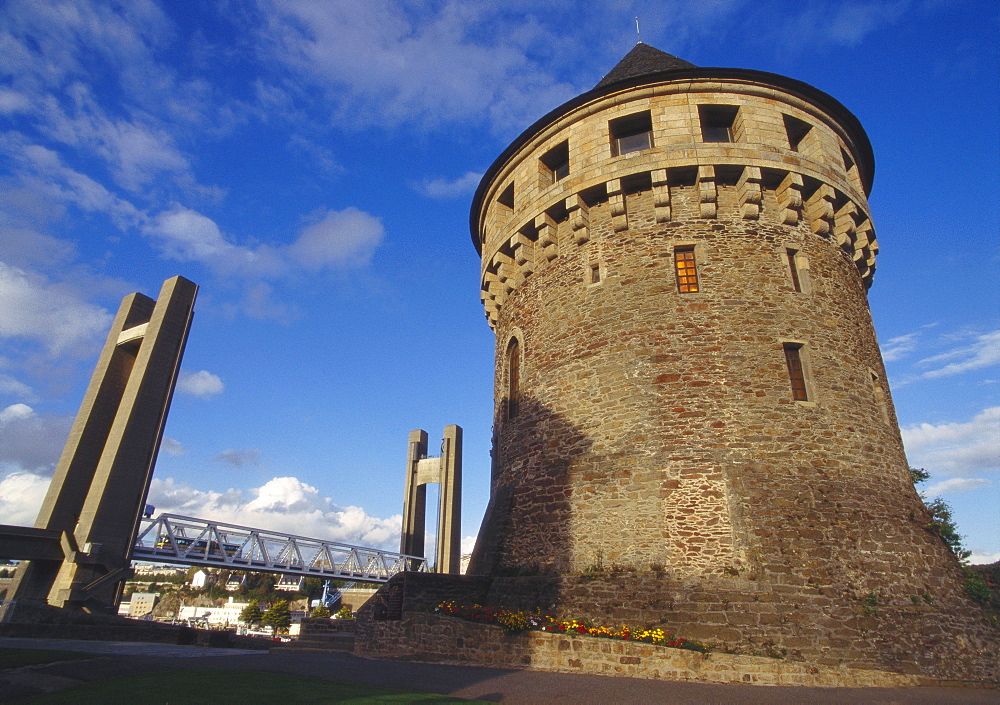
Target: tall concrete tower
{"points": [[688, 387]]}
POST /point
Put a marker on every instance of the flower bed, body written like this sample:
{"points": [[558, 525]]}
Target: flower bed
{"points": [[523, 621]]}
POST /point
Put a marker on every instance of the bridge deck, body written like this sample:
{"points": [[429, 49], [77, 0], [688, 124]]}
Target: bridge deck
{"points": [[171, 538]]}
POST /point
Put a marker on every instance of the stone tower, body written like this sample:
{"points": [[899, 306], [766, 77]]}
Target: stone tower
{"points": [[688, 387]]}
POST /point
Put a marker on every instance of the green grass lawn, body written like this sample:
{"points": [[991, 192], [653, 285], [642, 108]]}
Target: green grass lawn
{"points": [[225, 687], [15, 658]]}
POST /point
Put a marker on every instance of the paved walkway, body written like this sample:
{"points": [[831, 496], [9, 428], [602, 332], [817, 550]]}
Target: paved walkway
{"points": [[112, 659]]}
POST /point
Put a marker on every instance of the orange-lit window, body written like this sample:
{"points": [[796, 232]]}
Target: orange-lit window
{"points": [[687, 270], [796, 374], [513, 378]]}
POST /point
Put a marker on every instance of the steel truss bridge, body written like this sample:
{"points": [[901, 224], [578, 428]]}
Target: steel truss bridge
{"points": [[171, 538]]}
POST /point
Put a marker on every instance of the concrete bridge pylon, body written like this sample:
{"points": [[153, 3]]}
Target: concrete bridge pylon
{"points": [[100, 483]]}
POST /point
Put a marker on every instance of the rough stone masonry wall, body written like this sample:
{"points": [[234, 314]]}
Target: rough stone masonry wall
{"points": [[645, 413], [429, 637], [740, 618]]}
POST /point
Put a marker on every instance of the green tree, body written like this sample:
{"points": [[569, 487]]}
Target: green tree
{"points": [[278, 616], [320, 612], [942, 523], [311, 587], [251, 614]]}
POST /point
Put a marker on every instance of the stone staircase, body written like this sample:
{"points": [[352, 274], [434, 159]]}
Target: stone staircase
{"points": [[322, 635]]}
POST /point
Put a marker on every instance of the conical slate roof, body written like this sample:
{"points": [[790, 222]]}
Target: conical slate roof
{"points": [[641, 60]]}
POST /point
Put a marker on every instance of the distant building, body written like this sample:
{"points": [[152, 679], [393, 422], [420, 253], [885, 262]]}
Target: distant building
{"points": [[289, 583], [199, 579], [235, 582], [224, 615], [142, 603]]}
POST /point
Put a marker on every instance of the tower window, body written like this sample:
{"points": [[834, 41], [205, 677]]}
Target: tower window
{"points": [[513, 378], [848, 162], [793, 268], [594, 273], [632, 133], [506, 197], [556, 161], [687, 270], [717, 122], [883, 406], [796, 373], [796, 130]]}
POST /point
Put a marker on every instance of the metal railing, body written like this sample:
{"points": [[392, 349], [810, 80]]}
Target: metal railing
{"points": [[170, 538]]}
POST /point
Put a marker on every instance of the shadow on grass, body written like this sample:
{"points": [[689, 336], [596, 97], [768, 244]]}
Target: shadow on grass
{"points": [[224, 687]]}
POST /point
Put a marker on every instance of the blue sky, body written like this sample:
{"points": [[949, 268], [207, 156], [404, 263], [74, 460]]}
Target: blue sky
{"points": [[310, 165]]}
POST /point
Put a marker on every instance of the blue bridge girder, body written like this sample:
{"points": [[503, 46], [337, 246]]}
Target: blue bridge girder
{"points": [[171, 538]]}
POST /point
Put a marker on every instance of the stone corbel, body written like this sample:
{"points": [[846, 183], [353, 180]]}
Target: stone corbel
{"points": [[750, 193], [522, 248], [789, 195], [864, 235], [708, 194], [616, 200], [545, 225], [844, 227], [579, 218], [661, 196], [819, 210]]}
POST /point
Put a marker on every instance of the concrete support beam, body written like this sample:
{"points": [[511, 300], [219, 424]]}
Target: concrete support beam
{"points": [[447, 471], [97, 493]]}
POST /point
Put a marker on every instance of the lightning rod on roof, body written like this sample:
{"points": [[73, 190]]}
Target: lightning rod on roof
{"points": [[638, 38]]}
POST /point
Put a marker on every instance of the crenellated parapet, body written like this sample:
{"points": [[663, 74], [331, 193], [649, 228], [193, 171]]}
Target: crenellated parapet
{"points": [[532, 239], [747, 149]]}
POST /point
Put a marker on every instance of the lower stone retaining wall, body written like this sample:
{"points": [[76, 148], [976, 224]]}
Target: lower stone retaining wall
{"points": [[893, 645], [432, 637]]}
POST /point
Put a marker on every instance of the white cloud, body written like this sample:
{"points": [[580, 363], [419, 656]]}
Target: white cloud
{"points": [[899, 347], [983, 351], [31, 441], [171, 446], [43, 173], [282, 504], [12, 101], [21, 495], [984, 558], [956, 449], [468, 543], [850, 22], [201, 384], [954, 485], [238, 458], [331, 239], [337, 238], [456, 188], [393, 63], [15, 388], [184, 234], [818, 24], [259, 303], [49, 312]]}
